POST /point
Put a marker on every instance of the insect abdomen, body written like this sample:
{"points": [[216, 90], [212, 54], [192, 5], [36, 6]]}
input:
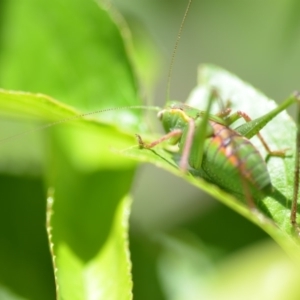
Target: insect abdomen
{"points": [[229, 158]]}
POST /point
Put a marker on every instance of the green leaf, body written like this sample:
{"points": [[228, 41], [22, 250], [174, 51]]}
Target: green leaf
{"points": [[89, 182], [279, 133], [76, 52], [41, 108], [107, 274]]}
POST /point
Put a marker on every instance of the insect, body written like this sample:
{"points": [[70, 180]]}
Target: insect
{"points": [[210, 148]]}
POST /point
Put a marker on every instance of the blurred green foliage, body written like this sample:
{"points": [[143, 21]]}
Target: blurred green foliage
{"points": [[75, 52], [65, 49]]}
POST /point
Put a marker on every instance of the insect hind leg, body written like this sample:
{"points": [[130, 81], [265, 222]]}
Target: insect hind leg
{"points": [[294, 208], [278, 153]]}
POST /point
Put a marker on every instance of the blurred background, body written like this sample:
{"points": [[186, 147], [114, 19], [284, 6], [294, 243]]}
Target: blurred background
{"points": [[185, 245]]}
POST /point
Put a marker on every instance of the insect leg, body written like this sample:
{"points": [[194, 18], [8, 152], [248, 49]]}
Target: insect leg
{"points": [[251, 128], [202, 130], [280, 153], [293, 215], [174, 133], [240, 114], [187, 146]]}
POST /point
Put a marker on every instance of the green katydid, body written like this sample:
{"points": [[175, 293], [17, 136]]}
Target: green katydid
{"points": [[210, 148]]}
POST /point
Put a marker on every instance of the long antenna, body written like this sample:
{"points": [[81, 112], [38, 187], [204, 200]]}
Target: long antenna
{"points": [[73, 118], [175, 49]]}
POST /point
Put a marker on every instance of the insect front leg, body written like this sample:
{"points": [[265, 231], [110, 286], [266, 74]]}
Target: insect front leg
{"points": [[175, 134], [187, 141], [190, 137], [193, 144]]}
